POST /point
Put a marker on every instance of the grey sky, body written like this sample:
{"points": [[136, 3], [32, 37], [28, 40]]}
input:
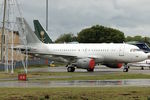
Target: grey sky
{"points": [[130, 16]]}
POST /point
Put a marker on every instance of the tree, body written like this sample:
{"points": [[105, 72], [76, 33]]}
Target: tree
{"points": [[100, 34], [138, 38], [129, 38], [66, 38]]}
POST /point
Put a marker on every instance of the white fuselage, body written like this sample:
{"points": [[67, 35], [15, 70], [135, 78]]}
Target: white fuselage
{"points": [[114, 53]]}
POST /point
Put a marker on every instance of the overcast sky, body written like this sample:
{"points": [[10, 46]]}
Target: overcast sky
{"points": [[130, 16]]}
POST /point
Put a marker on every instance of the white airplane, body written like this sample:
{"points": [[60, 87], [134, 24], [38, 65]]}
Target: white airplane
{"points": [[84, 56], [46, 39], [142, 64]]}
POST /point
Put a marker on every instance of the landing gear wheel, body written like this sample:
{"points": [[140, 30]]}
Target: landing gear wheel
{"points": [[90, 70], [142, 68], [70, 69], [126, 68]]}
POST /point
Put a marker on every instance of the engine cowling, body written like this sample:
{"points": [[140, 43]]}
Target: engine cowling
{"points": [[86, 63], [113, 65]]}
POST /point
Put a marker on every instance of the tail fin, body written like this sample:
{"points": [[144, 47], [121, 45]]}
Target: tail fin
{"points": [[26, 35], [41, 33]]}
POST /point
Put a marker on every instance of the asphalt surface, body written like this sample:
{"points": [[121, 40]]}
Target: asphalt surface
{"points": [[98, 69]]}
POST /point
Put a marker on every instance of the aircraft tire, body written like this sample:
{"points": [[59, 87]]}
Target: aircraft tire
{"points": [[125, 70], [70, 69]]}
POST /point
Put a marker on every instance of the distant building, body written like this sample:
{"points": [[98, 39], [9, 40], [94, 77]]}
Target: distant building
{"points": [[17, 56]]}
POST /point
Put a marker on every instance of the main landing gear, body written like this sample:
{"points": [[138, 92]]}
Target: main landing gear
{"points": [[70, 68], [126, 68]]}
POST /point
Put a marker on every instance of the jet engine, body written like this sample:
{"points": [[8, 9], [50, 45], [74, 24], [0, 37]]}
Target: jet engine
{"points": [[113, 65], [86, 63]]}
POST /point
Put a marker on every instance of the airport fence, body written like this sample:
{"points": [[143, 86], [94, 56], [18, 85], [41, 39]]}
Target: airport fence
{"points": [[19, 64]]}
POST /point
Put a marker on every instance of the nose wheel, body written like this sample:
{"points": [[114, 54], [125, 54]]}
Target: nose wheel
{"points": [[126, 68]]}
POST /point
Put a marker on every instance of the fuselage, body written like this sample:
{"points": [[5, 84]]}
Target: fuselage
{"points": [[114, 53]]}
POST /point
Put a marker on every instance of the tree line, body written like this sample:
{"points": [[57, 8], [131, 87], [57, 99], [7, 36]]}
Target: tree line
{"points": [[100, 34]]}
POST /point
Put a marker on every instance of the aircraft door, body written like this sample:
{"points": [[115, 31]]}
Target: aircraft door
{"points": [[121, 50]]}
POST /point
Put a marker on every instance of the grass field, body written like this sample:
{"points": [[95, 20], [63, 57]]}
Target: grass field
{"points": [[76, 93], [107, 93], [107, 77], [58, 76]]}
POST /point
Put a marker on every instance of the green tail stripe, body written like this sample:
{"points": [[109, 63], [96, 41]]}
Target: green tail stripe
{"points": [[41, 33]]}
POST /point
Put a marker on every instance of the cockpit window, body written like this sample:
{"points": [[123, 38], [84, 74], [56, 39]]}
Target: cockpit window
{"points": [[135, 50]]}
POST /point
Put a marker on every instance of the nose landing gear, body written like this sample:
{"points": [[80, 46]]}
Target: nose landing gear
{"points": [[126, 68]]}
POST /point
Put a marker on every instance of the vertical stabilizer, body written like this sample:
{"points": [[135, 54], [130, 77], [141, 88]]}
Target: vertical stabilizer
{"points": [[41, 33], [26, 34]]}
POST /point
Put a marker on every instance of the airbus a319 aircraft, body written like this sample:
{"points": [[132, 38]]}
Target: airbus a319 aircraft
{"points": [[84, 56]]}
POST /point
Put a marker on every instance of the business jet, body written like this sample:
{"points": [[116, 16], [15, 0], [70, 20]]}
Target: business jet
{"points": [[46, 39], [142, 64], [84, 56]]}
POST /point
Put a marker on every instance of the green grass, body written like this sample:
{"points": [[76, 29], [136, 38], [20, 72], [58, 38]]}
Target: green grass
{"points": [[106, 77], [101, 93], [57, 76], [91, 76]]}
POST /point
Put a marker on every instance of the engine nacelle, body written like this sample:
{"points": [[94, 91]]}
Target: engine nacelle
{"points": [[113, 65], [86, 63]]}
